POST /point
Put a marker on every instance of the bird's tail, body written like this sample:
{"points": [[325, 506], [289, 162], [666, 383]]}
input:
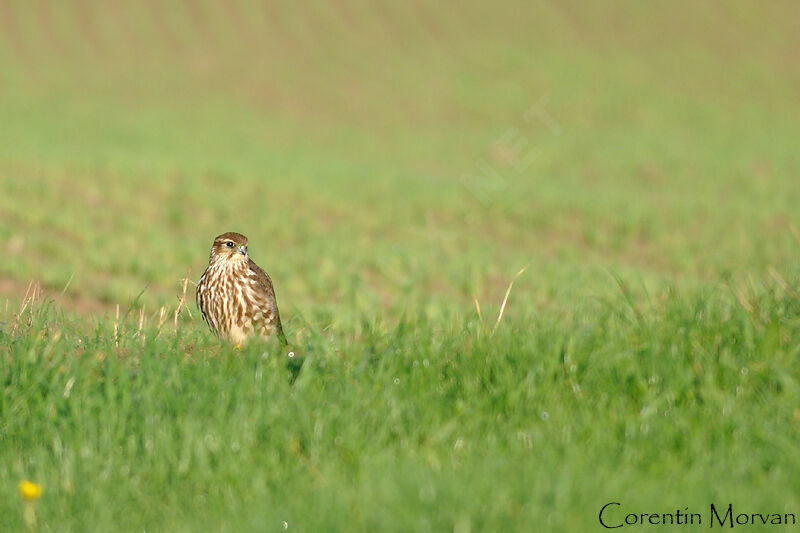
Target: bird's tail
{"points": [[281, 336]]}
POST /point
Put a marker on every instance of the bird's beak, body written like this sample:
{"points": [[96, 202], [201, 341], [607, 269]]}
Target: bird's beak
{"points": [[243, 250]]}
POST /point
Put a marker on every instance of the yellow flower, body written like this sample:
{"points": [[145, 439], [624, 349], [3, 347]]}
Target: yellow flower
{"points": [[29, 491]]}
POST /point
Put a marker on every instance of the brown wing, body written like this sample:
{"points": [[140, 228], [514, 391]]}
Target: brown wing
{"points": [[265, 284]]}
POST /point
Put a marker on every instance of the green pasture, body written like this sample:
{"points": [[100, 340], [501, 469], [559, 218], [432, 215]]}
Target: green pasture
{"points": [[394, 166]]}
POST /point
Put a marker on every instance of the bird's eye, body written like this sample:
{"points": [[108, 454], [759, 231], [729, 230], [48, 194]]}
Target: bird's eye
{"points": [[229, 244]]}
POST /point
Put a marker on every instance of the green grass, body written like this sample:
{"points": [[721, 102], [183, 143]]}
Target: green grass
{"points": [[420, 425], [391, 165]]}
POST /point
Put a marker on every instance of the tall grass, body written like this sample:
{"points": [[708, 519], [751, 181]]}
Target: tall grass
{"points": [[661, 402]]}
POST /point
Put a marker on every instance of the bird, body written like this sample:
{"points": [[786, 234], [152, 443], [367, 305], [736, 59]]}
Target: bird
{"points": [[235, 296]]}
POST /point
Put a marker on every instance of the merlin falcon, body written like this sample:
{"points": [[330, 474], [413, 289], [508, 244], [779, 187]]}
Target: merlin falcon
{"points": [[236, 296]]}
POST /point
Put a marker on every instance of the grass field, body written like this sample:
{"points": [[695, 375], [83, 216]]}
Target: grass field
{"points": [[394, 166]]}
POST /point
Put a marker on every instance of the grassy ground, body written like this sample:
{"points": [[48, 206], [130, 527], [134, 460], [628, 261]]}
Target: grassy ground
{"points": [[392, 166]]}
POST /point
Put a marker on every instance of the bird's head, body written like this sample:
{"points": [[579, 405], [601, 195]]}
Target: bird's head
{"points": [[229, 247]]}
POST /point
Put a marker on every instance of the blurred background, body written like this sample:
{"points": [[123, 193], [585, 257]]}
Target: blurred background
{"points": [[390, 158]]}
